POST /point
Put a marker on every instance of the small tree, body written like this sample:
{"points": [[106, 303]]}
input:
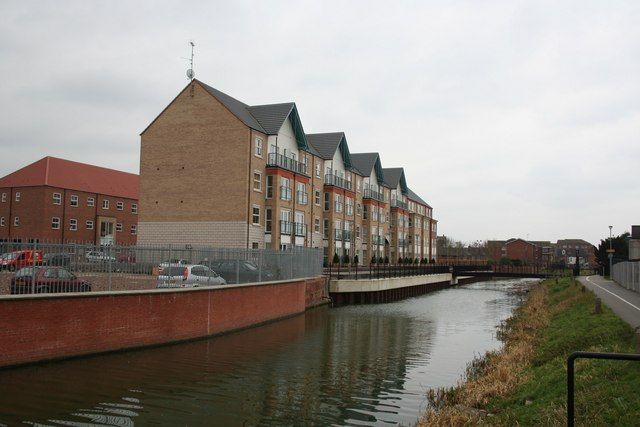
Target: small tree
{"points": [[416, 261], [336, 258], [399, 260], [373, 259], [433, 261], [355, 259], [386, 260], [345, 259], [407, 260], [380, 260]]}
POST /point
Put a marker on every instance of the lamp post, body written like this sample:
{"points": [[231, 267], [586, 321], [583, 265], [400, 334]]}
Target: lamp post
{"points": [[610, 252]]}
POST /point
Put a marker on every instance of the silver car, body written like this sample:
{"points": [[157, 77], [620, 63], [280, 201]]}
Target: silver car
{"points": [[184, 276]]}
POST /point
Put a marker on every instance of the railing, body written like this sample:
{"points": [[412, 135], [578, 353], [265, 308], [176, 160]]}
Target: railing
{"points": [[337, 234], [402, 243], [302, 197], [382, 271], [286, 227], [627, 274], [330, 179], [278, 160], [571, 374], [372, 194], [300, 229], [396, 203], [377, 240], [346, 235], [285, 193]]}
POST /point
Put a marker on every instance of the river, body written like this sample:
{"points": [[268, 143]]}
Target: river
{"points": [[355, 365]]}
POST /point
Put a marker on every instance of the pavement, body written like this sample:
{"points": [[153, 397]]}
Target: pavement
{"points": [[623, 302]]}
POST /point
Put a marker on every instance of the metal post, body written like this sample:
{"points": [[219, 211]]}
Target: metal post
{"points": [[109, 267], [33, 272], [610, 253]]}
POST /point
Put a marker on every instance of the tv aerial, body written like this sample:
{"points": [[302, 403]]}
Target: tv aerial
{"points": [[190, 73]]}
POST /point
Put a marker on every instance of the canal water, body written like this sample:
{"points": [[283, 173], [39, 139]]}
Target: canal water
{"points": [[356, 365]]}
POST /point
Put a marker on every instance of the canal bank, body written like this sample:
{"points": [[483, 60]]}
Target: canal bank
{"points": [[355, 365], [525, 382]]}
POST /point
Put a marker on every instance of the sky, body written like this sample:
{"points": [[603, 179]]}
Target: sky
{"points": [[511, 118]]}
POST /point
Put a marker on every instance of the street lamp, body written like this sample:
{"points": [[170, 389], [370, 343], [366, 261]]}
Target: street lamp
{"points": [[610, 252]]}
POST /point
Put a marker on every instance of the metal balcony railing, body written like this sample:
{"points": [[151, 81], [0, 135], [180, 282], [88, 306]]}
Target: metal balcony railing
{"points": [[302, 197], [396, 203], [300, 229], [347, 235], [372, 194], [286, 227], [378, 240], [278, 160], [330, 179], [285, 193], [337, 234]]}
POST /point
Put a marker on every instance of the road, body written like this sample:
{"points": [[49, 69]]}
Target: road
{"points": [[624, 303]]}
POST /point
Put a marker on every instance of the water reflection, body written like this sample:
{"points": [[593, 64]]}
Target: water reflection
{"points": [[361, 365]]}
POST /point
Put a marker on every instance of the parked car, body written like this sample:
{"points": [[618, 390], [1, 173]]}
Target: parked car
{"points": [[57, 259], [188, 276], [240, 271], [16, 260], [47, 280], [98, 256], [172, 263]]}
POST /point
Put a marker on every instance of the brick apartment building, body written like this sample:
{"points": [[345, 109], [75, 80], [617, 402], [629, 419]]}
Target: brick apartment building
{"points": [[58, 200], [216, 171], [566, 251], [542, 252]]}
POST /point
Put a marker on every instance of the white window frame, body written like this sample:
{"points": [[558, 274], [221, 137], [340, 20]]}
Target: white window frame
{"points": [[73, 201], [134, 229], [105, 204], [91, 202], [257, 181], [16, 221], [258, 147], [73, 224], [318, 170], [2, 221], [4, 197], [119, 227], [18, 196], [57, 198], [120, 206], [55, 223], [253, 215], [317, 197], [268, 220], [316, 225], [134, 208], [89, 224]]}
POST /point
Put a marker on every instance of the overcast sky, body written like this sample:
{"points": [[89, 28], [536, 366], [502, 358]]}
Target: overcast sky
{"points": [[511, 118]]}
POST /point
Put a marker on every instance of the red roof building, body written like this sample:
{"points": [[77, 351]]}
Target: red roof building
{"points": [[64, 201]]}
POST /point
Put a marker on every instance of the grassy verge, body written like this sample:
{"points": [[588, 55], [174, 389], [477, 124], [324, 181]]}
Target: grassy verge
{"points": [[525, 383]]}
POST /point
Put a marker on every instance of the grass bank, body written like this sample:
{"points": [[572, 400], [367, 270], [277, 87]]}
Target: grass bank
{"points": [[525, 383]]}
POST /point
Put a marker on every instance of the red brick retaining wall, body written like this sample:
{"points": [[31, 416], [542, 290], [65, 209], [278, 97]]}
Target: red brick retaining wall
{"points": [[35, 328]]}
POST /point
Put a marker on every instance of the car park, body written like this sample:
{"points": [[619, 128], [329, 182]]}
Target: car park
{"points": [[57, 259], [98, 256], [240, 271], [47, 280], [18, 259], [182, 276]]}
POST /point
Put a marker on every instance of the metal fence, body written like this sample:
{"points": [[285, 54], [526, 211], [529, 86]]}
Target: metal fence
{"points": [[115, 267], [627, 274]]}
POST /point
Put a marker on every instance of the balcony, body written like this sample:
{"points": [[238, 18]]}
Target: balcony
{"points": [[347, 235], [377, 240], [302, 198], [337, 234], [286, 227], [280, 161], [330, 179], [395, 203], [372, 194], [300, 229], [285, 193], [402, 243]]}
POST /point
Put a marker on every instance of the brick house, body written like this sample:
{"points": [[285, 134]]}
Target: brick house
{"points": [[59, 200], [215, 171]]}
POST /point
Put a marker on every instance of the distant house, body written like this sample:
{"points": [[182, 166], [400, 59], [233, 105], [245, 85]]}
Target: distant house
{"points": [[59, 200], [568, 249]]}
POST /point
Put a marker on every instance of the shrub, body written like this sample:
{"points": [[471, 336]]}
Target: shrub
{"points": [[386, 260], [355, 259], [336, 259]]}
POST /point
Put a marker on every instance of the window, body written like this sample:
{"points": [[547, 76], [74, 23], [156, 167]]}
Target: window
{"points": [[2, 222], [317, 197], [267, 220], [258, 147], [16, 221], [349, 204], [326, 228], [269, 194], [4, 197], [316, 225], [318, 171], [120, 206], [134, 230], [89, 225], [254, 245], [55, 223], [119, 227], [257, 181], [57, 198], [17, 196], [358, 184], [73, 224], [91, 202], [338, 202], [285, 189], [105, 204], [327, 202], [74, 201], [365, 212], [256, 215], [134, 208]]}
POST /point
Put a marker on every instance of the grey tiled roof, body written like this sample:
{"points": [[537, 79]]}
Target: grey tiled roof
{"points": [[325, 144], [392, 176], [237, 108], [415, 197], [271, 116], [364, 162]]}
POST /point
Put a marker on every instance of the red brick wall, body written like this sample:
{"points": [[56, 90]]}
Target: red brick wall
{"points": [[35, 328], [316, 292], [524, 251]]}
